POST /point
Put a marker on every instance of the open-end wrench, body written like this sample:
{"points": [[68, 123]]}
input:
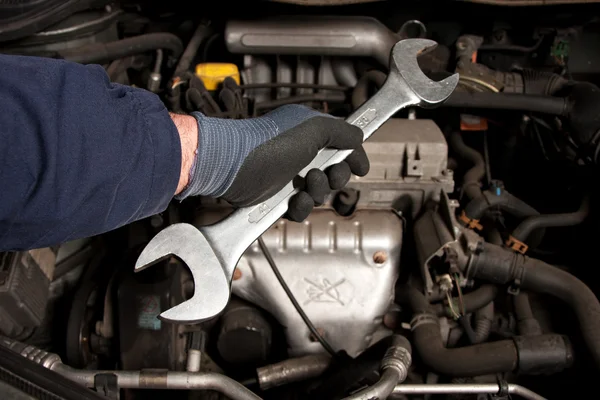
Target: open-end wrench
{"points": [[212, 252]]}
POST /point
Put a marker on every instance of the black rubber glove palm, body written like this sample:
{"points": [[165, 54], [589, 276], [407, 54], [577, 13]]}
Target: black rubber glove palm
{"points": [[247, 161]]}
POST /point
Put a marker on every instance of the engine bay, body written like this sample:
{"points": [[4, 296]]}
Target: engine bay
{"points": [[459, 267]]}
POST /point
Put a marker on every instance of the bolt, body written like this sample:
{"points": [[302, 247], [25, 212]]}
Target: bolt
{"points": [[237, 274], [380, 257], [391, 320]]}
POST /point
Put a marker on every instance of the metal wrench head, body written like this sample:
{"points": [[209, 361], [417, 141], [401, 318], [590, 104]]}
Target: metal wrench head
{"points": [[403, 60], [187, 243]]}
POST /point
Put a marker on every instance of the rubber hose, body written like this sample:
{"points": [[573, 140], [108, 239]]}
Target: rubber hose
{"points": [[542, 82], [530, 224], [472, 301], [200, 34], [484, 317], [478, 359], [501, 199], [503, 266], [360, 93], [509, 101], [472, 180], [344, 372], [526, 322], [99, 53]]}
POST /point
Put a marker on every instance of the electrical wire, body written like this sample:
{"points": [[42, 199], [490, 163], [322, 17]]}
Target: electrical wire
{"points": [[460, 295], [455, 315], [292, 298]]}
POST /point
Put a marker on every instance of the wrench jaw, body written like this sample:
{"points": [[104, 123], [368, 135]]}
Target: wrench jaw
{"points": [[404, 61], [211, 286]]}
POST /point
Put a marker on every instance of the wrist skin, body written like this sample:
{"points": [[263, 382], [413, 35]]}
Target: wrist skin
{"points": [[187, 126]]}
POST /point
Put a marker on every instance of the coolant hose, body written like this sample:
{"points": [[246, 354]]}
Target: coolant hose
{"points": [[509, 101], [527, 226], [526, 322], [535, 354], [472, 180], [472, 301], [501, 266], [484, 317], [99, 53], [479, 359], [502, 199], [200, 34], [394, 370]]}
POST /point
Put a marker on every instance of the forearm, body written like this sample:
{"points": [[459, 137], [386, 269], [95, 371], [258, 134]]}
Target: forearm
{"points": [[80, 156], [187, 127]]}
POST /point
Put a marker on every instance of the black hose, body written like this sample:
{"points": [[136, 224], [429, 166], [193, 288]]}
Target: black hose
{"points": [[479, 359], [472, 301], [527, 354], [503, 266], [509, 101], [501, 199], [526, 322], [200, 34], [472, 180], [484, 318], [465, 323], [533, 223], [99, 53], [345, 372]]}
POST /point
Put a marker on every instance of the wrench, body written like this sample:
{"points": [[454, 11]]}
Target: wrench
{"points": [[212, 252]]}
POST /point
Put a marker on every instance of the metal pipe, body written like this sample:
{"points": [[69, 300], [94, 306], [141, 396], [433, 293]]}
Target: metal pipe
{"points": [[314, 35], [144, 379], [162, 379], [467, 388], [292, 370], [394, 368]]}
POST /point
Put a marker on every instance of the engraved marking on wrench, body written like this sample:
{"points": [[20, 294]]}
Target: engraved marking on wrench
{"points": [[365, 118]]}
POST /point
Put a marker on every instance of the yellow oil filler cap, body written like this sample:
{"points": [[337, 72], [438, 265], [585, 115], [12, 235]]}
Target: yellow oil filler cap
{"points": [[212, 74]]}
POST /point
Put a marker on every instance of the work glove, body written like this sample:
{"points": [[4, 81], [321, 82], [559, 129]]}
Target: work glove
{"points": [[247, 161]]}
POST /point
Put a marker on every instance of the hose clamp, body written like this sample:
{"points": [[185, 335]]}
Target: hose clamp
{"points": [[470, 223], [515, 287], [422, 319], [503, 388], [515, 244], [399, 358]]}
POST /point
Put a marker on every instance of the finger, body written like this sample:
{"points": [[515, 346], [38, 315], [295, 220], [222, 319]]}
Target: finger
{"points": [[359, 162], [317, 185], [338, 175], [300, 207], [331, 132]]}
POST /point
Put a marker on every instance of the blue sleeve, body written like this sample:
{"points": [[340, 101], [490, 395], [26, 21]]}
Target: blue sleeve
{"points": [[79, 155]]}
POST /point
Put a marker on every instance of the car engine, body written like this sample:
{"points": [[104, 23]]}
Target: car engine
{"points": [[460, 267]]}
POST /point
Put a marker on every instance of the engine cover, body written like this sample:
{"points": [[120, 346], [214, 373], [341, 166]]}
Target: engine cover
{"points": [[342, 271]]}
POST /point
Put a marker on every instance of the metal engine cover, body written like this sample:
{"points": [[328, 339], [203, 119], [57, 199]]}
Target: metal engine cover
{"points": [[342, 271]]}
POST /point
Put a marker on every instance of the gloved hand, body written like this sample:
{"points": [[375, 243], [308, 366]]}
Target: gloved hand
{"points": [[247, 161]]}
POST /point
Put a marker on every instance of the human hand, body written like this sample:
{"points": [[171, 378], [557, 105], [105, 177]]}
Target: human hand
{"points": [[247, 161]]}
